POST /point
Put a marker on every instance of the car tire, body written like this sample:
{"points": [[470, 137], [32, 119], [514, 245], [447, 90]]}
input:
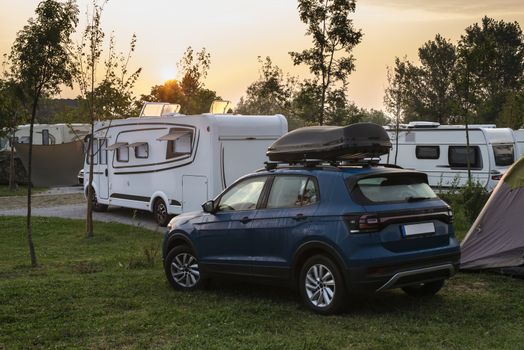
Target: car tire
{"points": [[160, 211], [182, 269], [95, 205], [424, 289], [322, 286]]}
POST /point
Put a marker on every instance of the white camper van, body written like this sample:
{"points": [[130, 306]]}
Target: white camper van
{"points": [[47, 134], [440, 151], [172, 163]]}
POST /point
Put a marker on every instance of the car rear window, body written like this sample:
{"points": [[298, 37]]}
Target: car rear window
{"points": [[391, 188]]}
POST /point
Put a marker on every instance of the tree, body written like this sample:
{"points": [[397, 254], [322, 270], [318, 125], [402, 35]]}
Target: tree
{"points": [[495, 52], [12, 113], [40, 63], [270, 94], [330, 59], [396, 94], [436, 93], [108, 99], [190, 92], [512, 114]]}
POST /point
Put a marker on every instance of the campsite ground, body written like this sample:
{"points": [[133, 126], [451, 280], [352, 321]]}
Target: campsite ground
{"points": [[110, 292]]}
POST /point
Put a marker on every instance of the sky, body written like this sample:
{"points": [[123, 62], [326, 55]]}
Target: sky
{"points": [[236, 32]]}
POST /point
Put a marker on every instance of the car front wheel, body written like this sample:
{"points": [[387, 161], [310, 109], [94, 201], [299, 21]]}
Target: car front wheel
{"points": [[321, 285], [182, 269], [424, 289]]}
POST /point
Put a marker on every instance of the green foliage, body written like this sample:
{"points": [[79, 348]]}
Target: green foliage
{"points": [[190, 92], [472, 81], [512, 115], [466, 203], [330, 59], [270, 94], [39, 58], [112, 97]]}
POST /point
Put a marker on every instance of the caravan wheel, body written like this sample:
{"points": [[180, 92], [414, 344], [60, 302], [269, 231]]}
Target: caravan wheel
{"points": [[160, 211]]}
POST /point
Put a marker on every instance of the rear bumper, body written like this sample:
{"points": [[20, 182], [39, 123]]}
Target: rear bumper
{"points": [[389, 276]]}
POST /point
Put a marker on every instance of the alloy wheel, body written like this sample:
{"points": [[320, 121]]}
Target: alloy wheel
{"points": [[320, 285], [185, 271]]}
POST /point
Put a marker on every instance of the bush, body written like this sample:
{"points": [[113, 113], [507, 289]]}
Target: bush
{"points": [[466, 203]]}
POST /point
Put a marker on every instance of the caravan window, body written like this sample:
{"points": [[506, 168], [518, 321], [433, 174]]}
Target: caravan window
{"points": [[503, 155], [95, 152], [458, 157], [427, 152], [142, 151], [122, 154], [179, 143], [103, 151]]}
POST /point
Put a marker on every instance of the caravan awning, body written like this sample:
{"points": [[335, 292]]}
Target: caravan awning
{"points": [[117, 145], [137, 144], [174, 135]]}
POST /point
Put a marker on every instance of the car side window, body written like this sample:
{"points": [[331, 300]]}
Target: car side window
{"points": [[292, 191], [243, 196]]}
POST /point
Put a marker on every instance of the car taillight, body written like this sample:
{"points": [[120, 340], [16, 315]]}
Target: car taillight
{"points": [[450, 215], [362, 223]]}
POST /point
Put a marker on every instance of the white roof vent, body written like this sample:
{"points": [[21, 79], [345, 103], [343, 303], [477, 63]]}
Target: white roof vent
{"points": [[159, 109]]}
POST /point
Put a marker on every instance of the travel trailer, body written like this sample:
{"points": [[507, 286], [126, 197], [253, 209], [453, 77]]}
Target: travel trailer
{"points": [[171, 163], [47, 134], [440, 151]]}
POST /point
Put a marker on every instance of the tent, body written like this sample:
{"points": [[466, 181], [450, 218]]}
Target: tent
{"points": [[496, 239]]}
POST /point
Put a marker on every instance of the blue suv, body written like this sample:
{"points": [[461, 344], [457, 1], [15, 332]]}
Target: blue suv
{"points": [[326, 230]]}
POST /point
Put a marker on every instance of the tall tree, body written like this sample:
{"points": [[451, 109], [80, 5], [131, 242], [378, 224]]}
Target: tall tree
{"points": [[334, 37], [106, 99], [396, 94], [270, 94], [495, 50], [40, 63], [437, 58]]}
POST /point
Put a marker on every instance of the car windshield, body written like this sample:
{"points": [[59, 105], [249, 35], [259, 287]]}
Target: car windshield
{"points": [[392, 188]]}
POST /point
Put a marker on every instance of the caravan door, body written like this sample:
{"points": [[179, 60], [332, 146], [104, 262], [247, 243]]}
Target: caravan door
{"points": [[194, 192], [103, 172]]}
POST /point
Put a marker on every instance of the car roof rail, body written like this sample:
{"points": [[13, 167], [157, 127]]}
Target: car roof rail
{"points": [[336, 165]]}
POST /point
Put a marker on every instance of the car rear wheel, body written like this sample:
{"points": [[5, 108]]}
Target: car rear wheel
{"points": [[322, 286], [182, 269], [424, 289], [160, 211]]}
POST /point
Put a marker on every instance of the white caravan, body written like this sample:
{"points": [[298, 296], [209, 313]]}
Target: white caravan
{"points": [[440, 152], [172, 163], [47, 134]]}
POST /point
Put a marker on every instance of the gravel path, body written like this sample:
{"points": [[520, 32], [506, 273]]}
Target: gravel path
{"points": [[69, 203]]}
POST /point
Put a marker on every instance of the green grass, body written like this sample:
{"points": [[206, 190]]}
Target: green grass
{"points": [[20, 191], [104, 293]]}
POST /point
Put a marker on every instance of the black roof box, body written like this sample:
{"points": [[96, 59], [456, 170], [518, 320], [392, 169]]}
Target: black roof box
{"points": [[331, 143]]}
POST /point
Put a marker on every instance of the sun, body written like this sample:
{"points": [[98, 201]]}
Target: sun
{"points": [[168, 73]]}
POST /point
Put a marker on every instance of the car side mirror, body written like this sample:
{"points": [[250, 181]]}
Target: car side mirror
{"points": [[209, 207]]}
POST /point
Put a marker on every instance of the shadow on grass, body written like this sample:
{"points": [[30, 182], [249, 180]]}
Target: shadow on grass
{"points": [[383, 303]]}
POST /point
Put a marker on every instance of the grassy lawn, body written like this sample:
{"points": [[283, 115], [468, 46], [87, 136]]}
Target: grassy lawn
{"points": [[110, 292], [20, 191]]}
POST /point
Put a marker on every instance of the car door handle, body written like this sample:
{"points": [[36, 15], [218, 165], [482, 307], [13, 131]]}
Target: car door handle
{"points": [[245, 220], [300, 217]]}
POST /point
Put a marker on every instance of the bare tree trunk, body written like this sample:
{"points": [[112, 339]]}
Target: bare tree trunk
{"points": [[90, 194], [32, 251]]}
